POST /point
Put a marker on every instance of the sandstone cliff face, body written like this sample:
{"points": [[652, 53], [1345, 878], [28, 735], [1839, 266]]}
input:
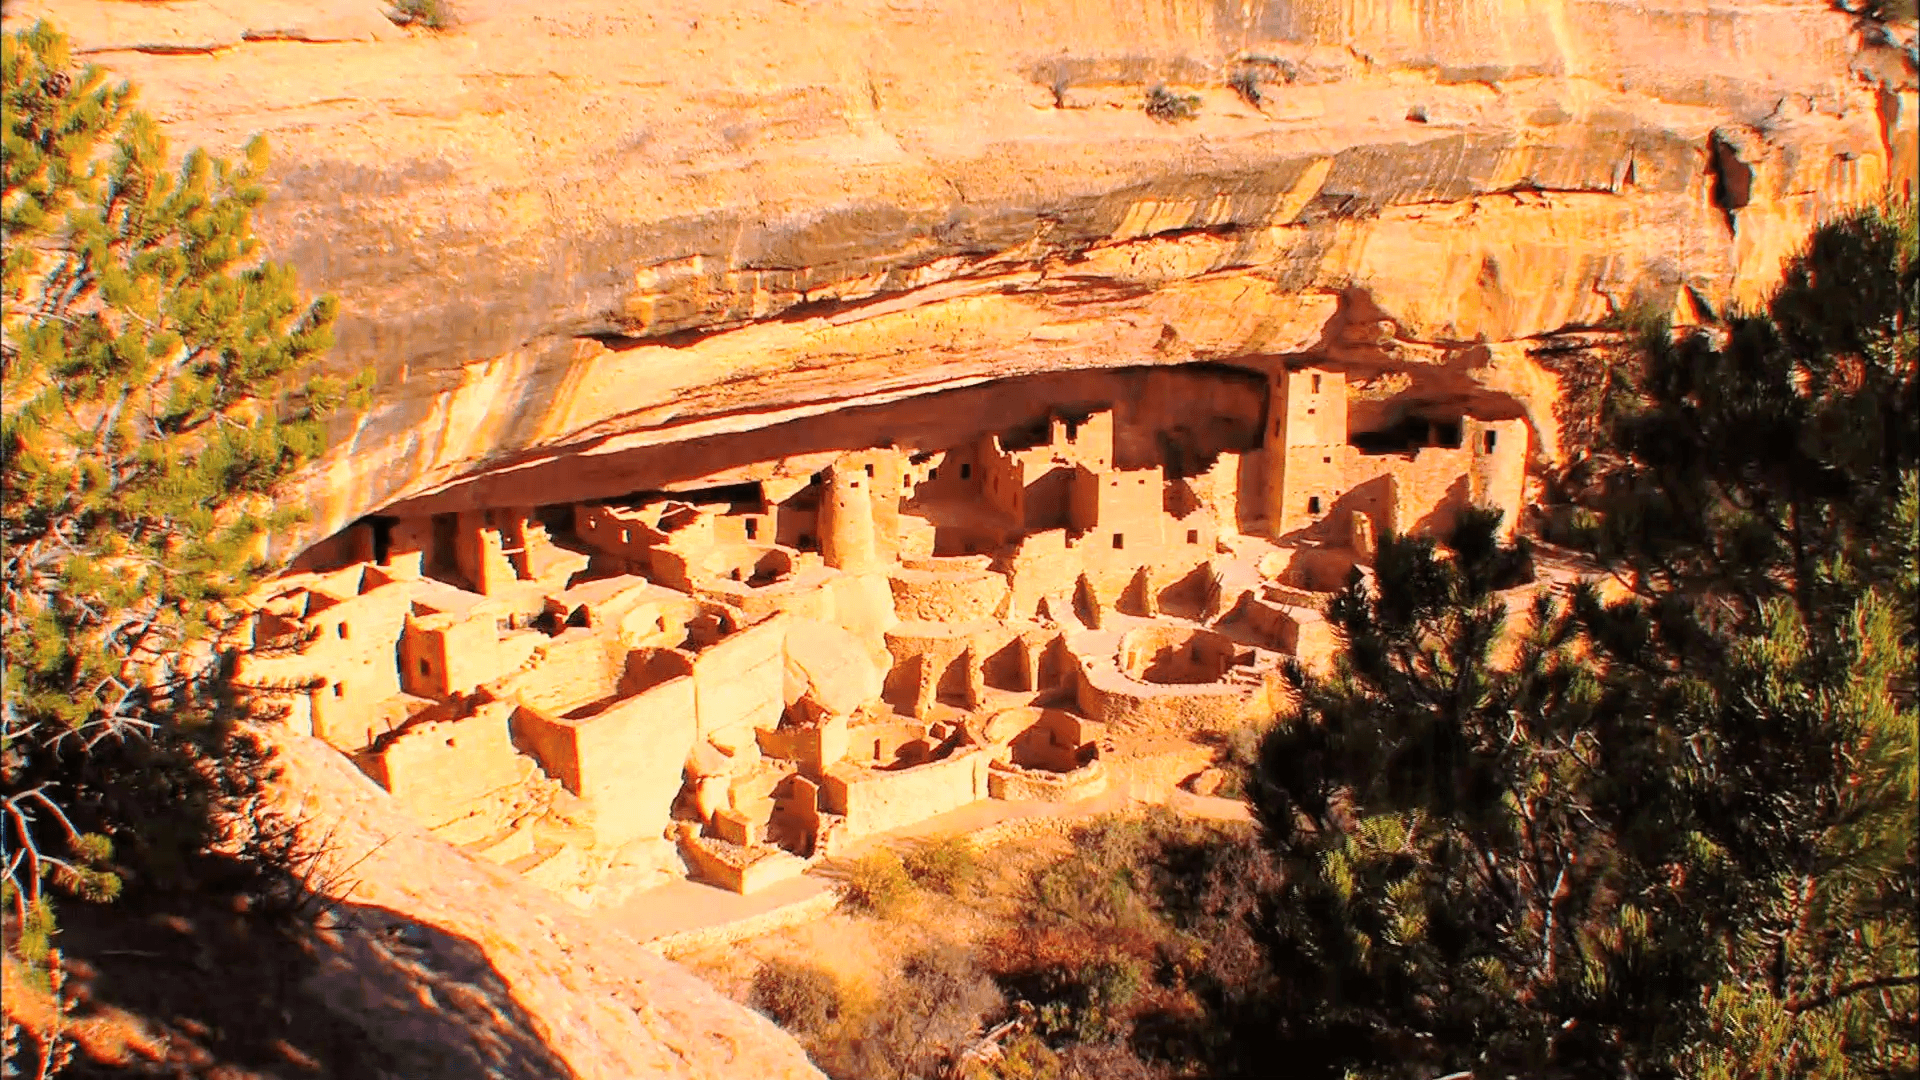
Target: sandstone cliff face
{"points": [[459, 968], [573, 228]]}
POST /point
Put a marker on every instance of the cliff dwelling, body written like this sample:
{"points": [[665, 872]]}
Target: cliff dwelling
{"points": [[862, 621]]}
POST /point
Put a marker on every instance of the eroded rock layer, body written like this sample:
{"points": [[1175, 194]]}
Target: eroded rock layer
{"points": [[568, 229]]}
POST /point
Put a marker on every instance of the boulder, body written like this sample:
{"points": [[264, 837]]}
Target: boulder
{"points": [[829, 669]]}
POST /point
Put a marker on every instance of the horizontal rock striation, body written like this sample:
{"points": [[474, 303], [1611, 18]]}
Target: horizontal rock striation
{"points": [[570, 227]]}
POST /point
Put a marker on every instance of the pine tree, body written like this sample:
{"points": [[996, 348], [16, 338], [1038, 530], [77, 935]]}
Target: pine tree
{"points": [[1766, 500], [1471, 855], [1674, 836], [156, 394]]}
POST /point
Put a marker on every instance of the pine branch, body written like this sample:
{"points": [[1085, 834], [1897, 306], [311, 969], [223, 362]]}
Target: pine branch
{"points": [[1847, 990]]}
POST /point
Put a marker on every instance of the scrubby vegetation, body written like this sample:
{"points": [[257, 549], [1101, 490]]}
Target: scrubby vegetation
{"points": [[945, 864], [427, 14], [1246, 82], [797, 996], [1168, 107], [875, 884]]}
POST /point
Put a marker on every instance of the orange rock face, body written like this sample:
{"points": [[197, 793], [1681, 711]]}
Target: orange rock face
{"points": [[570, 227]]}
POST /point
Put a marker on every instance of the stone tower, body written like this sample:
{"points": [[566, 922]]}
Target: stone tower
{"points": [[1497, 477], [1306, 448], [846, 520]]}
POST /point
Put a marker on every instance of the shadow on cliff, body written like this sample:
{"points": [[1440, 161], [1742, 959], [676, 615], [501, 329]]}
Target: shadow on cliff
{"points": [[205, 983]]}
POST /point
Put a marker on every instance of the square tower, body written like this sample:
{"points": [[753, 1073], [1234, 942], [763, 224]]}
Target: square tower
{"points": [[1307, 447]]}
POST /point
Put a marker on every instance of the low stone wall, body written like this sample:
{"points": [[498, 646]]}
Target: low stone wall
{"points": [[738, 869], [437, 769], [874, 800], [800, 911], [1015, 784], [1109, 696], [946, 590]]}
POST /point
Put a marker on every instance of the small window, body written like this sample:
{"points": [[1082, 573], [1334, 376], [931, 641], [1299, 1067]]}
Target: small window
{"points": [[855, 485], [1310, 412], [753, 529], [1316, 384], [426, 668], [1119, 541], [1326, 461], [1489, 437], [869, 470], [933, 474], [626, 536], [339, 689], [966, 472], [1313, 505], [805, 543], [341, 629], [1193, 536]]}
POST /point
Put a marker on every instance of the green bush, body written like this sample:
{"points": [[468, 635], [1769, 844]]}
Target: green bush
{"points": [[875, 884], [430, 14], [1166, 106], [944, 864], [798, 997]]}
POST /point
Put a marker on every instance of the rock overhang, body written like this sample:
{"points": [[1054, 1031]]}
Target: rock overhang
{"points": [[550, 243]]}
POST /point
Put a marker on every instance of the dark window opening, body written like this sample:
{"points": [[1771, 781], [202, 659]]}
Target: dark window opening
{"points": [[1310, 412], [339, 689], [753, 529], [1313, 505], [1193, 536], [805, 543], [1119, 541], [1489, 440], [933, 474], [966, 472], [341, 629], [869, 470], [426, 668], [1316, 384], [819, 477], [1407, 436], [382, 538]]}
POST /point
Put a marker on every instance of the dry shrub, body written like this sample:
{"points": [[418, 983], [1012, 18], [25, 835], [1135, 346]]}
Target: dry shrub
{"points": [[944, 864], [918, 1021], [427, 14], [876, 884], [1165, 105], [798, 997]]}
